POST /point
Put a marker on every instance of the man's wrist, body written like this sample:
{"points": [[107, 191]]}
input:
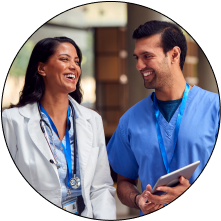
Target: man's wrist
{"points": [[136, 199]]}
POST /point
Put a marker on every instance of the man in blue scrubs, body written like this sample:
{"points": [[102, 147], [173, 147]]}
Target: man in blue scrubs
{"points": [[173, 127]]}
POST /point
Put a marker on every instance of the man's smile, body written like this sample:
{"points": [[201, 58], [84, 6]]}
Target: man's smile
{"points": [[147, 74]]}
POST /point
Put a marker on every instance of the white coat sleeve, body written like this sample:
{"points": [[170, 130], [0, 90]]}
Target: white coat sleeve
{"points": [[9, 133], [102, 190]]}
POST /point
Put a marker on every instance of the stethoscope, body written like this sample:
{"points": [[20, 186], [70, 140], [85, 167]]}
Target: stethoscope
{"points": [[75, 181]]}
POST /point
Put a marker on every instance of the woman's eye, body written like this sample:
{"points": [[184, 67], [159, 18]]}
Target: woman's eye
{"points": [[77, 62], [64, 59]]}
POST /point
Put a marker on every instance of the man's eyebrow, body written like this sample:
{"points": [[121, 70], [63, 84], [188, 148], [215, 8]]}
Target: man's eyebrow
{"points": [[145, 52]]}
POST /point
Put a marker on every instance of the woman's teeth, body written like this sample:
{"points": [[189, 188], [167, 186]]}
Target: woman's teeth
{"points": [[70, 76]]}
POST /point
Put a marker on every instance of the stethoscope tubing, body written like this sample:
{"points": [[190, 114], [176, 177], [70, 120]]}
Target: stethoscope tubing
{"points": [[74, 131]]}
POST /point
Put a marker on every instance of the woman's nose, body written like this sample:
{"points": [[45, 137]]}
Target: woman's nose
{"points": [[73, 65]]}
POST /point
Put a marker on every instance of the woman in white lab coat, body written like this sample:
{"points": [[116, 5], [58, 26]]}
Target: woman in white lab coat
{"points": [[57, 144]]}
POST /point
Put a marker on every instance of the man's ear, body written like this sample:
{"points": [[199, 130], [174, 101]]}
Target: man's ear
{"points": [[175, 55], [41, 69]]}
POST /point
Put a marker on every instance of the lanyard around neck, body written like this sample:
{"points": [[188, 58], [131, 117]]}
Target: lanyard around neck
{"points": [[67, 149], [177, 128]]}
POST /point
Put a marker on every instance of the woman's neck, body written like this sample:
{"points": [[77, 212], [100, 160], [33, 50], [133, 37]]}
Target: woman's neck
{"points": [[55, 105]]}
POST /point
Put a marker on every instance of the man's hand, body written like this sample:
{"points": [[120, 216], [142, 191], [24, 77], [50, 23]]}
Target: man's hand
{"points": [[149, 206], [171, 192]]}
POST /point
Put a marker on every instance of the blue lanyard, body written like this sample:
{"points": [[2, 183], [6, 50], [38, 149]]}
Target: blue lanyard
{"points": [[67, 149], [177, 128]]}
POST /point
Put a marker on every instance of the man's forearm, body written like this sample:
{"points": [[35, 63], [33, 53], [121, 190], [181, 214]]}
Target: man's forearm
{"points": [[126, 192]]}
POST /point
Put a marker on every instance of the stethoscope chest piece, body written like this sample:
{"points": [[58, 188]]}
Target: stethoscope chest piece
{"points": [[75, 182]]}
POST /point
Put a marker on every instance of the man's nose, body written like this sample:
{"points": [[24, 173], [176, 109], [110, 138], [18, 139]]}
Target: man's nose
{"points": [[140, 64]]}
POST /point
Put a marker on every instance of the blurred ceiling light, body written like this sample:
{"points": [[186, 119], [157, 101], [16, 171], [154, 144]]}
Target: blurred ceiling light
{"points": [[123, 54], [123, 79]]}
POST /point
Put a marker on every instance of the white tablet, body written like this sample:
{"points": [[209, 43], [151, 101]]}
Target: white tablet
{"points": [[172, 179]]}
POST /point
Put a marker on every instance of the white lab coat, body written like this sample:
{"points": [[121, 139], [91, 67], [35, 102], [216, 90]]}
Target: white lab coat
{"points": [[31, 153]]}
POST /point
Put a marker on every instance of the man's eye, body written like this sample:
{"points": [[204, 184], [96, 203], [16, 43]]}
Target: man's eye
{"points": [[147, 56]]}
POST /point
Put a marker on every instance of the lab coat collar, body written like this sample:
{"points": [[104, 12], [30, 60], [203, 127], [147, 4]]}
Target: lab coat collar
{"points": [[30, 109]]}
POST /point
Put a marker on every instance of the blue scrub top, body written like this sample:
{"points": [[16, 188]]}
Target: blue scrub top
{"points": [[134, 151]]}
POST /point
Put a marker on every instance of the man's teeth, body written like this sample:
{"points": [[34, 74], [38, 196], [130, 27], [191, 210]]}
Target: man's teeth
{"points": [[146, 74], [70, 76]]}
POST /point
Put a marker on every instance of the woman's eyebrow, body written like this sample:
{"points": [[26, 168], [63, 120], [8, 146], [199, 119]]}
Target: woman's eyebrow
{"points": [[67, 55], [64, 54]]}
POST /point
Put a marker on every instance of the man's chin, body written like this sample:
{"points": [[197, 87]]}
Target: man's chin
{"points": [[149, 86]]}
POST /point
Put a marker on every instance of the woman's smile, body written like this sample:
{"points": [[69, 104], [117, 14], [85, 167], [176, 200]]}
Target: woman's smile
{"points": [[70, 77]]}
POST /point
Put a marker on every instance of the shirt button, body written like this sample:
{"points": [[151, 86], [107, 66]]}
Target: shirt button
{"points": [[64, 168], [61, 148], [63, 187]]}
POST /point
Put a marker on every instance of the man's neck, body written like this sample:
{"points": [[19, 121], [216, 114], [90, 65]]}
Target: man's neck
{"points": [[174, 92]]}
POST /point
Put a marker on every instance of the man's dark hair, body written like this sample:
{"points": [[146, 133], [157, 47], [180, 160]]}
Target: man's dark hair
{"points": [[171, 36]]}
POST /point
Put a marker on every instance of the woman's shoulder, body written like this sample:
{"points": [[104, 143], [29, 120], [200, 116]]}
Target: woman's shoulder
{"points": [[89, 112], [83, 111], [10, 112], [11, 115], [17, 113]]}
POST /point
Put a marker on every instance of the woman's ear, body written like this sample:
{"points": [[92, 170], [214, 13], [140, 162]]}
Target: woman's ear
{"points": [[41, 69]]}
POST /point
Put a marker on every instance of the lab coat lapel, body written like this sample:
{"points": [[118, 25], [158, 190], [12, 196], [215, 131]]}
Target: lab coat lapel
{"points": [[34, 130], [84, 142], [84, 136], [38, 138]]}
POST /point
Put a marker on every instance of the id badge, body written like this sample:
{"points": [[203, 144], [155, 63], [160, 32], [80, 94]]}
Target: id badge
{"points": [[70, 205]]}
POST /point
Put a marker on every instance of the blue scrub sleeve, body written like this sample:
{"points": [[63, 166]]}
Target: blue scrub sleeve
{"points": [[120, 155], [218, 116], [218, 121]]}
